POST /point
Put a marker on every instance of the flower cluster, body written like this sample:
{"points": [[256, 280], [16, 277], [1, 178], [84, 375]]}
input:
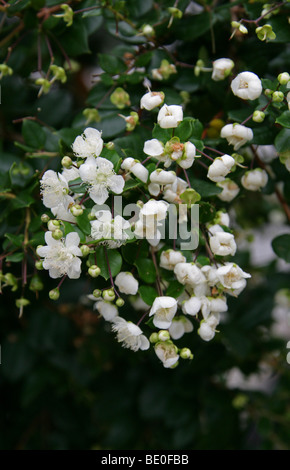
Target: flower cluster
{"points": [[176, 290]]}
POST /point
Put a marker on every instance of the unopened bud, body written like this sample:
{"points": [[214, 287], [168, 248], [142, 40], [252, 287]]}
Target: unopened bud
{"points": [[153, 337], [45, 218], [54, 294], [53, 225], [163, 335], [110, 145], [76, 210], [109, 295], [57, 234], [283, 78], [39, 265], [278, 96], [148, 31], [120, 302], [258, 116], [36, 283], [120, 98], [66, 162], [97, 293], [85, 249], [94, 270], [186, 353]]}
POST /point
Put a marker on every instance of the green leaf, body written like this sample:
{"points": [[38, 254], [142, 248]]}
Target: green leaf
{"points": [[84, 223], [74, 40], [114, 260], [15, 257], [197, 129], [204, 188], [175, 289], [111, 64], [33, 134], [284, 119], [282, 141], [148, 294], [16, 240], [281, 246], [131, 184], [22, 200], [132, 252], [146, 269], [161, 134], [207, 212], [184, 130]]}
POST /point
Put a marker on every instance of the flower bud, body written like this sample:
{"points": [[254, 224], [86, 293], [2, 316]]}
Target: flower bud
{"points": [[66, 162], [45, 218], [54, 294], [97, 293], [39, 265], [148, 31], [258, 116], [76, 210], [278, 96], [57, 234], [186, 353], [110, 145], [163, 335], [268, 92], [11, 280], [85, 249], [94, 270], [53, 225], [283, 78], [109, 295], [120, 302], [154, 338]]}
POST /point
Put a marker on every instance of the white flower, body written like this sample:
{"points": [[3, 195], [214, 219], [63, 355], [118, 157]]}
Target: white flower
{"points": [[150, 218], [151, 100], [62, 213], [70, 174], [99, 174], [162, 177], [220, 168], [89, 144], [126, 283], [170, 258], [223, 244], [135, 167], [167, 352], [173, 191], [221, 69], [112, 232], [54, 190], [237, 134], [188, 156], [247, 86], [230, 190], [191, 306], [189, 274], [130, 334], [232, 278], [154, 148], [179, 326], [61, 257], [218, 304], [253, 180], [210, 273], [207, 328], [266, 153], [164, 308], [170, 116], [108, 310]]}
